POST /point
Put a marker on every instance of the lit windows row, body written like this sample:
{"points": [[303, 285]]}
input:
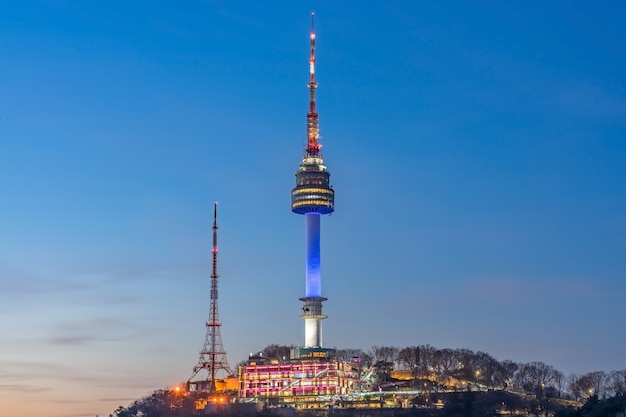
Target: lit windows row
{"points": [[314, 366], [311, 203], [313, 190], [284, 383], [295, 392], [293, 374], [312, 197]]}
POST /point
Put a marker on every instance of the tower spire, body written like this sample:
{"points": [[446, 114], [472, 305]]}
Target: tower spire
{"points": [[313, 146], [212, 356]]}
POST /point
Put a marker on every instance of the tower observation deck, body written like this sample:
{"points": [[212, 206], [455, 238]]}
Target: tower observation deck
{"points": [[312, 197]]}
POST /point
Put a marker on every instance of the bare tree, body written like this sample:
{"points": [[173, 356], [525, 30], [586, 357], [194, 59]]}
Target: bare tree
{"points": [[466, 365], [384, 359], [346, 355], [163, 403], [535, 376], [447, 361], [616, 383], [508, 369], [490, 370], [385, 354], [559, 382], [575, 387], [277, 351], [597, 382], [410, 358], [367, 360], [587, 385], [427, 357]]}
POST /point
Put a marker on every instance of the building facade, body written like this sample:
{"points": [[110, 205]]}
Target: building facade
{"points": [[296, 381]]}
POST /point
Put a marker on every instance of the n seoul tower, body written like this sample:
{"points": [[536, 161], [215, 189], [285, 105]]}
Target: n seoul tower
{"points": [[313, 196]]}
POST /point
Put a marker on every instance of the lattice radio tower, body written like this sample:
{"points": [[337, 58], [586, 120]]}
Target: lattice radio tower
{"points": [[212, 364]]}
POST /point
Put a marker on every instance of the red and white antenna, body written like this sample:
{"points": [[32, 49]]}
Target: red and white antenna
{"points": [[313, 146], [212, 362], [312, 59]]}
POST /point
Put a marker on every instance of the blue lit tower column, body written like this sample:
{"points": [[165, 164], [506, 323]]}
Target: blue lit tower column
{"points": [[312, 197]]}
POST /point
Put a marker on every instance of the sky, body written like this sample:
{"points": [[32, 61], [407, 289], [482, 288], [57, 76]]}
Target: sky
{"points": [[477, 152]]}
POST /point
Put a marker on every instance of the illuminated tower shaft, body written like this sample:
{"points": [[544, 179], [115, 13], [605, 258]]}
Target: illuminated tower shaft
{"points": [[312, 197], [212, 359]]}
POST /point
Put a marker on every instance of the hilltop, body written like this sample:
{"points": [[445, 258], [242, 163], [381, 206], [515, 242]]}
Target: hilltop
{"points": [[427, 381]]}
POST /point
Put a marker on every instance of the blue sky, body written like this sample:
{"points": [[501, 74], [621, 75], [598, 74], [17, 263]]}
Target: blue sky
{"points": [[477, 151]]}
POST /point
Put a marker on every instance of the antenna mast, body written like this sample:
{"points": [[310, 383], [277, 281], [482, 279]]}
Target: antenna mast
{"points": [[212, 356], [313, 146]]}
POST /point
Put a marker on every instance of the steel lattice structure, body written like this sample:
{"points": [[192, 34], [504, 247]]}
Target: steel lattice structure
{"points": [[212, 364]]}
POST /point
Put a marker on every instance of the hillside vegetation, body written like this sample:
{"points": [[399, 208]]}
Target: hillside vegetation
{"points": [[427, 381]]}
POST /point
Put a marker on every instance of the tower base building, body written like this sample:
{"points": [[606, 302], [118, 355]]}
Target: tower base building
{"points": [[312, 378]]}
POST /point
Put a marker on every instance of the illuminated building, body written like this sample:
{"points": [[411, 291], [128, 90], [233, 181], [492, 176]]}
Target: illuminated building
{"points": [[312, 372], [296, 381]]}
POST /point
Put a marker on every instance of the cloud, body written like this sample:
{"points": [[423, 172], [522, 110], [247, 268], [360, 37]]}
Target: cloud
{"points": [[121, 270], [87, 331], [118, 400], [66, 401], [19, 282], [25, 370], [47, 376], [81, 277], [70, 341], [23, 290], [24, 388]]}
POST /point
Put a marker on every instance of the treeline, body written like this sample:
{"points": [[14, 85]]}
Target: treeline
{"points": [[160, 403], [478, 368], [534, 382], [609, 407]]}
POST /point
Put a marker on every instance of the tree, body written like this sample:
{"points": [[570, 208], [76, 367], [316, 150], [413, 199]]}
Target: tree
{"points": [[161, 403], [509, 369], [616, 383], [385, 354], [490, 370], [410, 358], [467, 359], [384, 359], [346, 355], [537, 375], [277, 351], [446, 361], [588, 385], [598, 381], [427, 357], [366, 360]]}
